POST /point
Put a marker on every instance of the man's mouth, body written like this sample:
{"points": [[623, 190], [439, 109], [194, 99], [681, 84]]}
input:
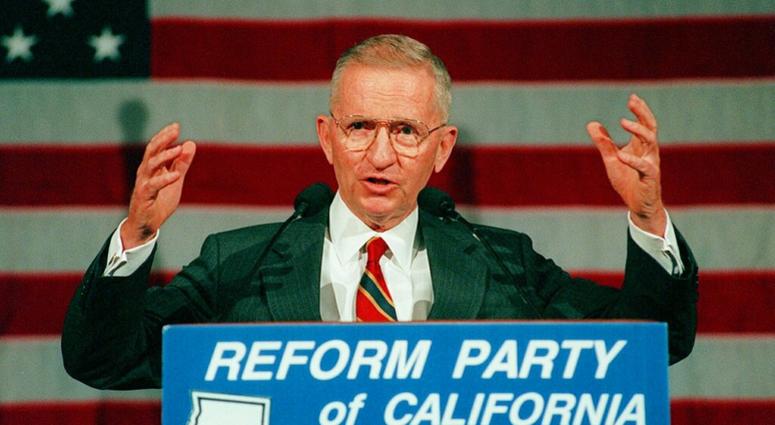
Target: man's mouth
{"points": [[378, 185], [376, 180]]}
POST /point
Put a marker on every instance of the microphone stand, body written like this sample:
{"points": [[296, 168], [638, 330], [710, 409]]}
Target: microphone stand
{"points": [[316, 196], [442, 205]]}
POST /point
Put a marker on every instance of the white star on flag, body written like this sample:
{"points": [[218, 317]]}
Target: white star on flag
{"points": [[106, 45], [19, 45], [56, 7]]}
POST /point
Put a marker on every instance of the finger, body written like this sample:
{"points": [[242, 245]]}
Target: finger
{"points": [[599, 135], [162, 158], [641, 109], [162, 139], [152, 186], [186, 157], [646, 136], [643, 167]]}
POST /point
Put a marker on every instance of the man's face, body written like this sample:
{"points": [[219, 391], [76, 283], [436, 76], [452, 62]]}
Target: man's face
{"points": [[377, 184]]}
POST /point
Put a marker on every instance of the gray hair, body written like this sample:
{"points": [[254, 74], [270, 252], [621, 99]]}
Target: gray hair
{"points": [[396, 51]]}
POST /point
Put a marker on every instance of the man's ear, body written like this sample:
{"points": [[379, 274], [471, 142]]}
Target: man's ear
{"points": [[324, 126], [444, 150]]}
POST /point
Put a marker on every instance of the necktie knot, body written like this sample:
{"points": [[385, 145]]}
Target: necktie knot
{"points": [[375, 248]]}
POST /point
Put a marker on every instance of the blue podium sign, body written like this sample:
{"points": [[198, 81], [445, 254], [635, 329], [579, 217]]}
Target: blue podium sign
{"points": [[448, 373]]}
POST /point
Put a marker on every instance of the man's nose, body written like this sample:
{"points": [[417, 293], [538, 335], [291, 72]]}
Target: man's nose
{"points": [[381, 153]]}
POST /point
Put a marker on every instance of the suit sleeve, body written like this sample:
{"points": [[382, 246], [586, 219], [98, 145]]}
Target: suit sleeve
{"points": [[647, 293], [112, 331]]}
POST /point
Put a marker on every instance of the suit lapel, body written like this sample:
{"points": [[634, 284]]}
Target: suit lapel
{"points": [[458, 272], [291, 273]]}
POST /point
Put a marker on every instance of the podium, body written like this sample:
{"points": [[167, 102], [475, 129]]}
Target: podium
{"points": [[442, 373]]}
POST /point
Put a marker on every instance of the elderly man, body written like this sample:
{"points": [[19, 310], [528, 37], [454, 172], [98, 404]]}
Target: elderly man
{"points": [[372, 255]]}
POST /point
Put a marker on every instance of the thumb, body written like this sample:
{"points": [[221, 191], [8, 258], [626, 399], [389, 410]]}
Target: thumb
{"points": [[602, 140], [186, 157]]}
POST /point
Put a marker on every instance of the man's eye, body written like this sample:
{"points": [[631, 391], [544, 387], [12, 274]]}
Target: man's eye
{"points": [[406, 130], [358, 125]]}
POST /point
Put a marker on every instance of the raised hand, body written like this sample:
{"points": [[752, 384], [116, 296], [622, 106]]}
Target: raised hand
{"points": [[633, 170], [158, 185]]}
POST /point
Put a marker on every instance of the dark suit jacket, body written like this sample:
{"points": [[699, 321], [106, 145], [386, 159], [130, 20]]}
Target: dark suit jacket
{"points": [[112, 331]]}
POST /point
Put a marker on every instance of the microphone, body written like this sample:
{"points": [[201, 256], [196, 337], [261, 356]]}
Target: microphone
{"points": [[437, 203], [441, 205], [308, 202], [312, 199]]}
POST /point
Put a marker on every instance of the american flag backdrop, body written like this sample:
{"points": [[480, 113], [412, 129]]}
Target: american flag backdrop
{"points": [[85, 83]]}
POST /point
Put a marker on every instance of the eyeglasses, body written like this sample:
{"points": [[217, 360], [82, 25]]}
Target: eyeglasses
{"points": [[405, 134]]}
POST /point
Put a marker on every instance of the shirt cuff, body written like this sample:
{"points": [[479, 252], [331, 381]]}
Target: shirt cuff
{"points": [[123, 263], [664, 250]]}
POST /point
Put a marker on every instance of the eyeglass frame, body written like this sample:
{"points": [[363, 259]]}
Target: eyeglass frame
{"points": [[380, 122]]}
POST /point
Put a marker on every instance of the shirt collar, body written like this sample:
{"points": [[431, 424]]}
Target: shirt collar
{"points": [[349, 234]]}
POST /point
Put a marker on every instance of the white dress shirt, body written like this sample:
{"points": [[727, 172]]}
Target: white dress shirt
{"points": [[405, 264]]}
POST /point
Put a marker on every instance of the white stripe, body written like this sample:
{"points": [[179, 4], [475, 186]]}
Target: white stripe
{"points": [[31, 369], [726, 367], [738, 367], [492, 113], [729, 238], [594, 239], [444, 9]]}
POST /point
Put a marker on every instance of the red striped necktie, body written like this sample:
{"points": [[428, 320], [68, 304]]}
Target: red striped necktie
{"points": [[373, 302]]}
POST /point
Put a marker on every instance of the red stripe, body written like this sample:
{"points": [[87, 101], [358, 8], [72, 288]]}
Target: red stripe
{"points": [[473, 50], [485, 175], [683, 412], [41, 296], [722, 412], [104, 175], [730, 302], [82, 413]]}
